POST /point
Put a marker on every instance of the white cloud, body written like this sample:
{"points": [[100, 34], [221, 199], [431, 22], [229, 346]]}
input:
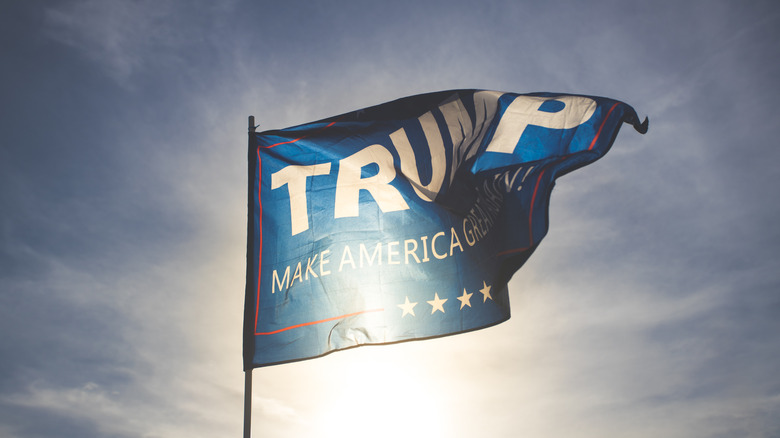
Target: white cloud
{"points": [[89, 401]]}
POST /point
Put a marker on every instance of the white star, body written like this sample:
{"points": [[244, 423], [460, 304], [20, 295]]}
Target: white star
{"points": [[407, 307], [465, 299], [437, 304], [485, 291]]}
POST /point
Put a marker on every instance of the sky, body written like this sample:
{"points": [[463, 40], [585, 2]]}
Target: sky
{"points": [[652, 307]]}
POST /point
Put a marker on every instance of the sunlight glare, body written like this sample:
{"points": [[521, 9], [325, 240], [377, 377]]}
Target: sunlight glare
{"points": [[384, 397]]}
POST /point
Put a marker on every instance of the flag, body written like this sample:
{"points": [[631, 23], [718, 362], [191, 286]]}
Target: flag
{"points": [[405, 220]]}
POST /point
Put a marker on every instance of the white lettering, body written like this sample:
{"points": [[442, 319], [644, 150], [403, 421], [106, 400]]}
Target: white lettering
{"points": [[409, 161], [324, 261], [376, 255], [350, 182], [454, 241], [524, 111], [467, 136], [412, 251], [284, 284], [295, 179], [346, 257], [391, 252], [309, 262], [298, 274], [433, 246], [469, 233]]}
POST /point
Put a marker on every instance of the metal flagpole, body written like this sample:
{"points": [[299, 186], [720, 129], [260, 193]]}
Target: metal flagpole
{"points": [[248, 373], [248, 403]]}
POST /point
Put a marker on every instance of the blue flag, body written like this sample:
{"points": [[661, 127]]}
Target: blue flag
{"points": [[405, 220]]}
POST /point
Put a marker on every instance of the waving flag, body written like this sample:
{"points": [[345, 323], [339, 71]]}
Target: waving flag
{"points": [[405, 220]]}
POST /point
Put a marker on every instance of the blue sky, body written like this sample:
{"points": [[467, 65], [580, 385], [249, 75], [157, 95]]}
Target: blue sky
{"points": [[652, 308]]}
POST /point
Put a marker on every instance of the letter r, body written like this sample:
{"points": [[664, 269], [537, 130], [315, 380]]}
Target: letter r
{"points": [[350, 182]]}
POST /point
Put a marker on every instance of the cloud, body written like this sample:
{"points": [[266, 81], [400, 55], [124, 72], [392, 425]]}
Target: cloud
{"points": [[128, 39], [88, 401], [113, 34]]}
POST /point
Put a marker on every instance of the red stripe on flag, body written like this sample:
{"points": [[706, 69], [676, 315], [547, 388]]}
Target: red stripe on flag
{"points": [[301, 138], [593, 143], [538, 181], [260, 211], [317, 322], [531, 210], [530, 219], [260, 228], [512, 251]]}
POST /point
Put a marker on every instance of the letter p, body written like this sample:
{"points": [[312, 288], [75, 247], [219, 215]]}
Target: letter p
{"points": [[525, 111]]}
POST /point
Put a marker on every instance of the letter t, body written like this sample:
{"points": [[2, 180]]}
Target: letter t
{"points": [[295, 178]]}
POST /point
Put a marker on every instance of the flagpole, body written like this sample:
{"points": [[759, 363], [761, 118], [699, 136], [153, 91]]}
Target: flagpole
{"points": [[248, 403], [248, 373]]}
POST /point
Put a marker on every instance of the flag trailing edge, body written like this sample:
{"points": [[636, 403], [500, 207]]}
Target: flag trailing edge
{"points": [[405, 220]]}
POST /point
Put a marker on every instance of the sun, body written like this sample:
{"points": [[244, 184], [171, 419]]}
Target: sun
{"points": [[383, 396]]}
